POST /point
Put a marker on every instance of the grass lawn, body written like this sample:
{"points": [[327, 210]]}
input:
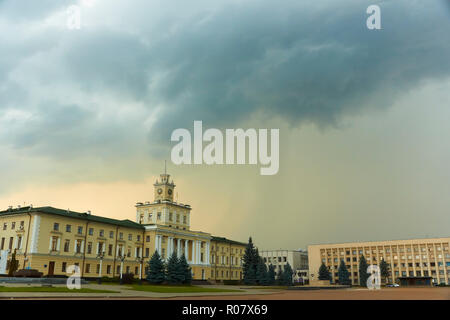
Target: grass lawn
{"points": [[53, 289], [176, 289]]}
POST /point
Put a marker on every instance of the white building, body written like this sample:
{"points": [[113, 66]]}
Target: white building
{"points": [[297, 259]]}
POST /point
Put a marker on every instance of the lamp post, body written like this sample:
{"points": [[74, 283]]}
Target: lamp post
{"points": [[100, 256]]}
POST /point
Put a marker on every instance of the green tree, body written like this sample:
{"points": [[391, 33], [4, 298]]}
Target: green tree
{"points": [[384, 270], [271, 274], [156, 273], [363, 275], [324, 274], [175, 274], [287, 275], [261, 273], [250, 263], [344, 275], [279, 276], [13, 264], [186, 270]]}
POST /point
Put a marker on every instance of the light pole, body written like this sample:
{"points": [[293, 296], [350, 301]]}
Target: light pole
{"points": [[101, 255]]}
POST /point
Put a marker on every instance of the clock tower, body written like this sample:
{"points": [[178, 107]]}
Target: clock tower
{"points": [[164, 189]]}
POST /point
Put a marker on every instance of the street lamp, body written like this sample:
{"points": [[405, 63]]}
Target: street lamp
{"points": [[100, 256]]}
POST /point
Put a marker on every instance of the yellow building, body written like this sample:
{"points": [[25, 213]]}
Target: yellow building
{"points": [[50, 240], [406, 258]]}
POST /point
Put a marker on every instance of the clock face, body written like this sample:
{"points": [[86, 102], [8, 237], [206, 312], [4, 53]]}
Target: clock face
{"points": [[170, 191], [159, 191]]}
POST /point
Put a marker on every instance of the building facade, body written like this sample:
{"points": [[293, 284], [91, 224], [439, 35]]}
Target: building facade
{"points": [[406, 258], [50, 240], [297, 259]]}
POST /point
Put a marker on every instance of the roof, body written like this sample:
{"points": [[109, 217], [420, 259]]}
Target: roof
{"points": [[72, 214], [222, 239]]}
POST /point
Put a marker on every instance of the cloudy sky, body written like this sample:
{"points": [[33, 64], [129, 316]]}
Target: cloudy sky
{"points": [[86, 115]]}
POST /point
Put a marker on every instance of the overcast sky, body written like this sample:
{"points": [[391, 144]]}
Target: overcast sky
{"points": [[86, 115]]}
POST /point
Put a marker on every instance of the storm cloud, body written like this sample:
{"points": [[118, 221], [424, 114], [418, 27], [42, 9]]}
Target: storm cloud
{"points": [[137, 70]]}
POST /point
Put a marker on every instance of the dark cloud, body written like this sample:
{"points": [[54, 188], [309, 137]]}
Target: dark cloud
{"points": [[219, 62]]}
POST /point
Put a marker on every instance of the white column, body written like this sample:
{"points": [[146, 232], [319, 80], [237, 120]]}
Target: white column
{"points": [[197, 256], [186, 249], [207, 254], [82, 246], [179, 248], [194, 250], [50, 244], [58, 243]]}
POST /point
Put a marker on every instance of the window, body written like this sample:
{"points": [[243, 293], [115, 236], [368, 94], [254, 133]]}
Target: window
{"points": [[121, 235], [54, 245], [170, 216], [78, 246], [138, 238], [147, 252], [178, 217], [110, 248], [111, 234], [88, 267], [147, 239], [68, 228], [80, 230], [19, 242], [13, 225], [89, 248], [98, 269], [159, 216], [108, 269], [91, 231], [184, 219], [63, 267], [102, 233], [5, 225], [130, 237], [56, 226], [66, 245], [3, 244]]}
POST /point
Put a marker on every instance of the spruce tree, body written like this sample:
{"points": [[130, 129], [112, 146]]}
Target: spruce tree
{"points": [[271, 275], [287, 275], [174, 273], [343, 274], [363, 275], [261, 273], [156, 271], [384, 270], [324, 274], [186, 270], [249, 266], [279, 276]]}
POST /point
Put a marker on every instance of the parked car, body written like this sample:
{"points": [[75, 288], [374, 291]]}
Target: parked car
{"points": [[392, 285]]}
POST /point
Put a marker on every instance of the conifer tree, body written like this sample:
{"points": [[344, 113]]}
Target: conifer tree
{"points": [[261, 273], [186, 270], [343, 274], [249, 265], [363, 275], [271, 275], [279, 276], [156, 271], [384, 270], [174, 273], [324, 274], [287, 275]]}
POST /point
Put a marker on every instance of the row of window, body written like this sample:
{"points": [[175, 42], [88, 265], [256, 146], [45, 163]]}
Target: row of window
{"points": [[158, 217], [275, 259], [101, 232], [13, 225], [88, 269], [11, 242], [355, 259], [387, 250], [226, 249], [226, 274]]}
